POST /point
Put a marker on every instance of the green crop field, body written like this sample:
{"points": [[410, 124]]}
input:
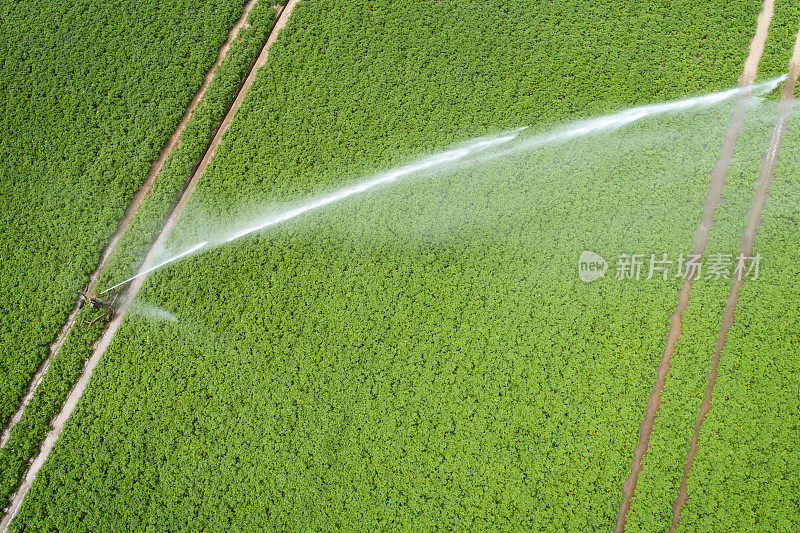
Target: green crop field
{"points": [[747, 471], [90, 93], [687, 379], [66, 365], [422, 355]]}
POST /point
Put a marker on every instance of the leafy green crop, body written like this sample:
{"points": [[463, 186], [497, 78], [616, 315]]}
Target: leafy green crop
{"points": [[424, 356], [746, 474], [683, 392], [428, 352], [91, 90], [178, 167], [682, 396], [66, 366]]}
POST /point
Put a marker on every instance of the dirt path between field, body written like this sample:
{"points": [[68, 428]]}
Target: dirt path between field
{"points": [[765, 178], [57, 424], [713, 199], [125, 221]]}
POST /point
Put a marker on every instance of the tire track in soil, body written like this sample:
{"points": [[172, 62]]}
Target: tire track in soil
{"points": [[765, 178], [57, 424], [713, 199], [125, 221]]}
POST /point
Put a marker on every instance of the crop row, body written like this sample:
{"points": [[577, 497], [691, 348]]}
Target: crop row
{"points": [[67, 364], [746, 474], [91, 91], [663, 464], [197, 135]]}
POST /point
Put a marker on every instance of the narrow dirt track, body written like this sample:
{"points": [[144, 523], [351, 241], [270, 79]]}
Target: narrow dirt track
{"points": [[57, 424], [713, 199], [765, 178], [125, 221]]}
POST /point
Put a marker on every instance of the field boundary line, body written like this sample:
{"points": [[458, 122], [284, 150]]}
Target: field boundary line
{"points": [[765, 179], [713, 199], [124, 222], [57, 424]]}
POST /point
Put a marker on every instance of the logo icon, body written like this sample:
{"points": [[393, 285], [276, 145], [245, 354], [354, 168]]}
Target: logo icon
{"points": [[591, 267]]}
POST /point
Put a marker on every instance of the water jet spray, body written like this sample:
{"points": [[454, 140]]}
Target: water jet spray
{"points": [[480, 147], [191, 250]]}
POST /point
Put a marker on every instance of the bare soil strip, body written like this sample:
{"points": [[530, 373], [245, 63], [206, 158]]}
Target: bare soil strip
{"points": [[765, 178], [713, 199], [123, 224], [57, 424]]}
